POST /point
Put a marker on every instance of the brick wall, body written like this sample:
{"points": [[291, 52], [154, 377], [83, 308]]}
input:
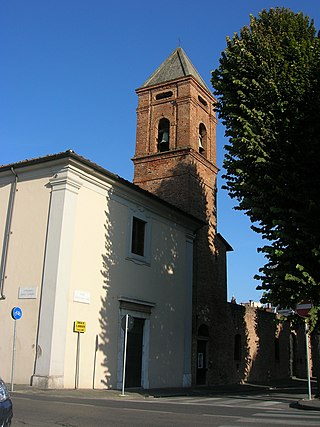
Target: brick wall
{"points": [[264, 345]]}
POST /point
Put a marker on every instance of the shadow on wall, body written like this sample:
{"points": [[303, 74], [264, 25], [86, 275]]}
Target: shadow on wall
{"points": [[249, 339], [272, 359], [103, 319], [266, 345], [166, 325], [189, 187], [241, 341], [110, 260], [298, 351]]}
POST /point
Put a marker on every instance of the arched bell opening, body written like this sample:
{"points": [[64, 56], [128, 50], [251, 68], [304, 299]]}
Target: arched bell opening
{"points": [[163, 135], [202, 141]]}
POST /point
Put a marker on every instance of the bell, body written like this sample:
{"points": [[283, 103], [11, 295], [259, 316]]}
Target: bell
{"points": [[165, 137], [201, 148]]}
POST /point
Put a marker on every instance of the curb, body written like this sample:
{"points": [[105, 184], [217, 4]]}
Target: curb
{"points": [[309, 404]]}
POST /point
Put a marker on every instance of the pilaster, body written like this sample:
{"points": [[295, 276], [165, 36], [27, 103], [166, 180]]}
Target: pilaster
{"points": [[49, 366]]}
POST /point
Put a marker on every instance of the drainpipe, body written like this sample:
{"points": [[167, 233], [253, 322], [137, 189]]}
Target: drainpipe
{"points": [[7, 234]]}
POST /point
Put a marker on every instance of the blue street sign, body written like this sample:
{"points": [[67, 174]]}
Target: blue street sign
{"points": [[16, 313]]}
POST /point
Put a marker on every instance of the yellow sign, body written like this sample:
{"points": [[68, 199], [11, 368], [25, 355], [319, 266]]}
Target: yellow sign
{"points": [[79, 326]]}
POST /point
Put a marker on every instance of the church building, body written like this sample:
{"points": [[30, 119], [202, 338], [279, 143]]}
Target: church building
{"points": [[86, 253]]}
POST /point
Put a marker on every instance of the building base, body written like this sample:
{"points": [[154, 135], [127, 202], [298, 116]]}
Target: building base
{"points": [[47, 382]]}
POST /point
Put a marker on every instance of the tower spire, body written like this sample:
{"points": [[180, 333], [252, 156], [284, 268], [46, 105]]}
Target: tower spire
{"points": [[176, 66]]}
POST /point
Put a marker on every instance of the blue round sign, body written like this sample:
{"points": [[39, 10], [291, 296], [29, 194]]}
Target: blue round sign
{"points": [[16, 313]]}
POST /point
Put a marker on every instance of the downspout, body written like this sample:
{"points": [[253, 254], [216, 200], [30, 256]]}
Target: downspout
{"points": [[7, 234]]}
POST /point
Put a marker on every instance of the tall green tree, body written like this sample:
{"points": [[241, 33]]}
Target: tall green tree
{"points": [[268, 91]]}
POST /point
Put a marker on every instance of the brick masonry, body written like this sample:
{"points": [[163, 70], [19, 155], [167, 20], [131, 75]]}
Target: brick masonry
{"points": [[187, 178]]}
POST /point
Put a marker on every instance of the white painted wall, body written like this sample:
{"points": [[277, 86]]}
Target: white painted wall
{"points": [[24, 270], [70, 232]]}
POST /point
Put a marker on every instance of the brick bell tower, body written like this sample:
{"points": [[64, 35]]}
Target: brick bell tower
{"points": [[175, 159]]}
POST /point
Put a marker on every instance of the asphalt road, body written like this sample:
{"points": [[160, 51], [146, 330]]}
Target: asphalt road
{"points": [[215, 411]]}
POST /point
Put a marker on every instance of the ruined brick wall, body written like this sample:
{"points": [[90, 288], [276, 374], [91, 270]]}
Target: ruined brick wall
{"points": [[298, 358], [265, 345]]}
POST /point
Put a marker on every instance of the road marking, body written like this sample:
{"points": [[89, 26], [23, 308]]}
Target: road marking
{"points": [[147, 410], [285, 422], [192, 400], [304, 415], [234, 402], [220, 416], [266, 403], [221, 402]]}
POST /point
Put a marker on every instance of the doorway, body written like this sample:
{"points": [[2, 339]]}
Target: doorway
{"points": [[202, 352], [134, 354]]}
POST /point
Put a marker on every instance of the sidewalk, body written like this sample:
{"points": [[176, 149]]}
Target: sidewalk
{"points": [[296, 387], [312, 405]]}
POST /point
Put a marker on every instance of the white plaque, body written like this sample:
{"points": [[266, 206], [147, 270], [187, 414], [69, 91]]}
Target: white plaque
{"points": [[81, 296], [27, 293]]}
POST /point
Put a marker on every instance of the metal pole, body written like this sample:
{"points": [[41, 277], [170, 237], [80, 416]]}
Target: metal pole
{"points": [[125, 355], [95, 360], [307, 353], [13, 351], [76, 385]]}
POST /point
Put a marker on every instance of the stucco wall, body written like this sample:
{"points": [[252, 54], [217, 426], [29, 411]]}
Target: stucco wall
{"points": [[24, 270], [104, 271]]}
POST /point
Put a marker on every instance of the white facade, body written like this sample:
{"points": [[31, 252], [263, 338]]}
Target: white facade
{"points": [[65, 236]]}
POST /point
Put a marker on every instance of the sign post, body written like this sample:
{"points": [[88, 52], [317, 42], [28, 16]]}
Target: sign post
{"points": [[303, 310], [16, 314], [127, 323], [80, 328]]}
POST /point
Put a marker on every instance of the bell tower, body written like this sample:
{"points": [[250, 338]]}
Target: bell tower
{"points": [[175, 159], [176, 136]]}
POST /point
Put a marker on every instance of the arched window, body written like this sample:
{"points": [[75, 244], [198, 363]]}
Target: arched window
{"points": [[237, 347], [202, 143], [163, 135], [203, 331]]}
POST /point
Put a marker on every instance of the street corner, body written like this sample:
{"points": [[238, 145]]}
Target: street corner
{"points": [[309, 404]]}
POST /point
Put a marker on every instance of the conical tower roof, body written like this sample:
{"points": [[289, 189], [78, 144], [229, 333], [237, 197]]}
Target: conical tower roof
{"points": [[177, 65]]}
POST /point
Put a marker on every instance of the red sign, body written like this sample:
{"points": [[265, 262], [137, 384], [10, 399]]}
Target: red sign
{"points": [[304, 308]]}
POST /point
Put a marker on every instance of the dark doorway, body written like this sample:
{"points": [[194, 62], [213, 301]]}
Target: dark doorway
{"points": [[202, 362], [202, 365], [134, 354]]}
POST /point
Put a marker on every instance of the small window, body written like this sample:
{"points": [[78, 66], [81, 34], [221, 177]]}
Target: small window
{"points": [[203, 102], [237, 347], [164, 95], [163, 135], [138, 236]]}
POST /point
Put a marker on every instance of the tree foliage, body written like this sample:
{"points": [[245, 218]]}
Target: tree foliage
{"points": [[268, 90]]}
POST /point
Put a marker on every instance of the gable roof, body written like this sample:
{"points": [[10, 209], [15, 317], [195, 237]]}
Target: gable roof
{"points": [[177, 65], [71, 155]]}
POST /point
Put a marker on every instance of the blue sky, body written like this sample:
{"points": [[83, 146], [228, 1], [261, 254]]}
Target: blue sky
{"points": [[69, 70]]}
